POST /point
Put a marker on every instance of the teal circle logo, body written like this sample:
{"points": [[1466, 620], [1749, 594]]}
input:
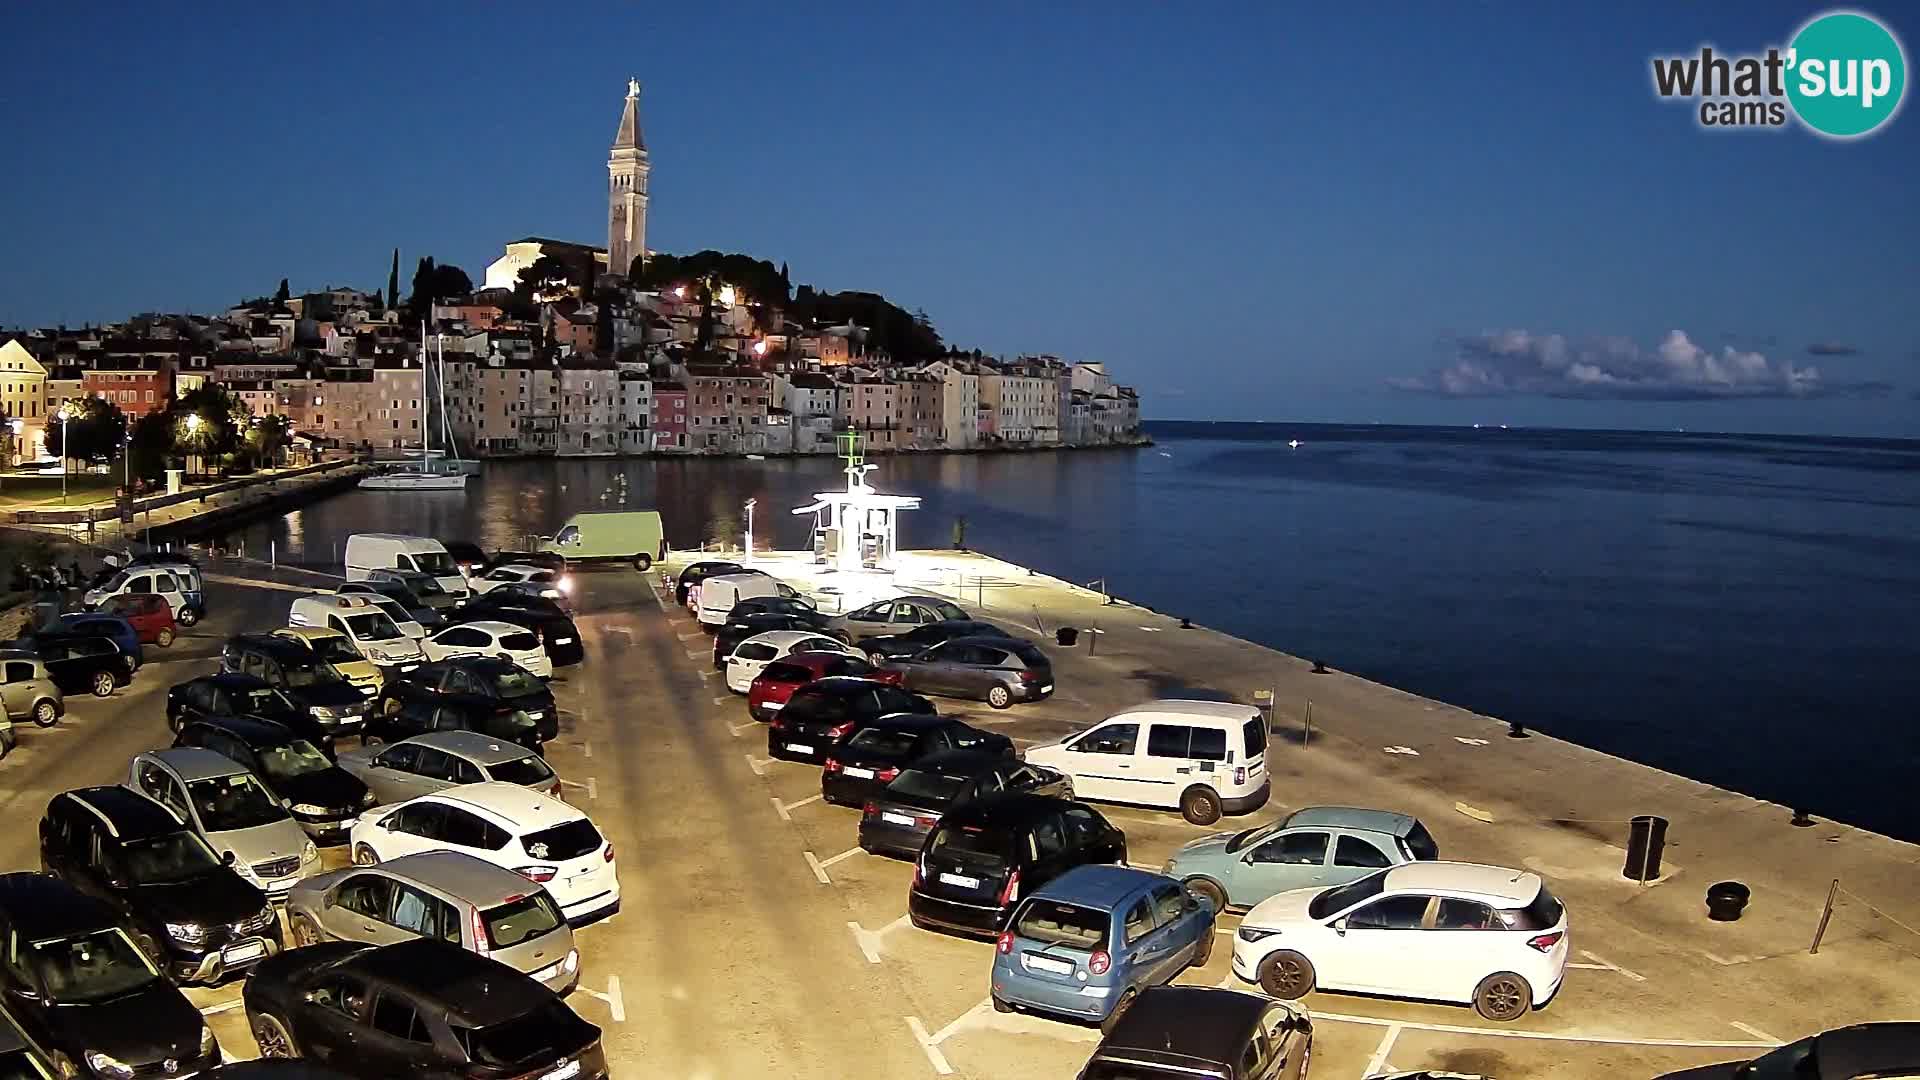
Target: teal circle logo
{"points": [[1846, 74]]}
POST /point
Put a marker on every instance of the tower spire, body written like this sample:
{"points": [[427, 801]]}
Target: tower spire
{"points": [[627, 170], [628, 137]]}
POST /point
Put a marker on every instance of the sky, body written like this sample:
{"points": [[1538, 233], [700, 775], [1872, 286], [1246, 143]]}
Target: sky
{"points": [[1404, 213]]}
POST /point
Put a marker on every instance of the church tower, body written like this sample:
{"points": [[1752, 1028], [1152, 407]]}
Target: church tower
{"points": [[627, 170]]}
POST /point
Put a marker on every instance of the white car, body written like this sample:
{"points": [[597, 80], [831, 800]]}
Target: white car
{"points": [[504, 640], [401, 617], [537, 836], [1441, 931], [751, 656], [517, 572]]}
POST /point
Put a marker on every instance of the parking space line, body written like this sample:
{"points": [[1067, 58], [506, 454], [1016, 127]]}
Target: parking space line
{"points": [[225, 1006], [735, 729], [1611, 966], [1378, 1063], [755, 764], [586, 748], [692, 655], [819, 872], [1540, 1036], [868, 942], [703, 674], [934, 1056], [786, 809], [615, 1004], [840, 858], [723, 700], [690, 637], [1753, 1031]]}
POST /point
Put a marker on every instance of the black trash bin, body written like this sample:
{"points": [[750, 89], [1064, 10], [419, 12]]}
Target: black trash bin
{"points": [[1646, 840], [1726, 900], [1066, 636]]}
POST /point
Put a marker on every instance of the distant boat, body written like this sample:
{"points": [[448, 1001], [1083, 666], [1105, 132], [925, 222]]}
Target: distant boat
{"points": [[414, 478], [1293, 443], [1163, 453], [429, 471], [756, 457]]}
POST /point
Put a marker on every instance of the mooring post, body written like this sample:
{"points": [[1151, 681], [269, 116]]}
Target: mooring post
{"points": [[1826, 913]]}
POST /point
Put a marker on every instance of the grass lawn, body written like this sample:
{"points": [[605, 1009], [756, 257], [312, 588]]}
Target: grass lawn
{"points": [[18, 492]]}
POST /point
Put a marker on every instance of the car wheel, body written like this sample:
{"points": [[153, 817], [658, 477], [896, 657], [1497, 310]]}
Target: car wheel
{"points": [[164, 638], [1000, 1006], [187, 616], [643, 562], [145, 943], [365, 856], [1203, 949], [270, 1033], [6, 741], [1119, 1009], [45, 714], [876, 658], [303, 930], [1502, 997], [1210, 890], [103, 684], [999, 697], [370, 740], [1200, 806], [1286, 975]]}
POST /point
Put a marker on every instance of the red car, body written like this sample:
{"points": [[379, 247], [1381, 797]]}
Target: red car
{"points": [[777, 681], [152, 619]]}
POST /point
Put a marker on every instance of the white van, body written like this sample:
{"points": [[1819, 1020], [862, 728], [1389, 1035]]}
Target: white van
{"points": [[719, 594], [178, 585], [1205, 757], [392, 551], [372, 632]]}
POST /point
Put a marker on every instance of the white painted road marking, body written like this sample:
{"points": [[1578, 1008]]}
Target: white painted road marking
{"points": [[735, 729], [756, 764], [819, 872], [723, 700], [1754, 1031], [1406, 750], [692, 655], [869, 940], [1378, 1063], [842, 857], [785, 810], [586, 747], [225, 1006], [612, 997], [703, 674], [1544, 1036], [1611, 966], [1464, 741], [690, 637], [934, 1056]]}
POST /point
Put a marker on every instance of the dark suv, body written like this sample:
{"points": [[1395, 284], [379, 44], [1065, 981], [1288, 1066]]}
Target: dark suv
{"points": [[230, 694], [980, 858], [293, 669], [825, 711], [83, 663], [466, 693], [420, 1007], [1200, 1033], [82, 991], [187, 909], [325, 799]]}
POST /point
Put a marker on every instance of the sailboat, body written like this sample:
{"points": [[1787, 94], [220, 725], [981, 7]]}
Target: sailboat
{"points": [[423, 473]]}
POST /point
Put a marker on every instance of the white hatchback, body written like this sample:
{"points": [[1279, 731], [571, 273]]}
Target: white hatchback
{"points": [[503, 640], [751, 656], [535, 835], [1440, 931]]}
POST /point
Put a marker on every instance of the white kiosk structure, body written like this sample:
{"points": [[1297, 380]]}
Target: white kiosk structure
{"points": [[856, 529]]}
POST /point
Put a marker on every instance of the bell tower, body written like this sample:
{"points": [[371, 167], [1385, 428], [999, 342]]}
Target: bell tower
{"points": [[627, 170]]}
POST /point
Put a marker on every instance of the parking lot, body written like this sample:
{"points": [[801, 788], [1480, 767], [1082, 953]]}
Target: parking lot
{"points": [[756, 939]]}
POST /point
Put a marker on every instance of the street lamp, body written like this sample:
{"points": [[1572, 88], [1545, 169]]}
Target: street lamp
{"points": [[749, 537], [66, 448], [16, 426]]}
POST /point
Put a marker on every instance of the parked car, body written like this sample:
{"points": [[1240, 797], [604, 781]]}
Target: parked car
{"points": [[982, 855], [1207, 758], [635, 537], [897, 820], [549, 622], [423, 591], [719, 593], [693, 574], [79, 663], [826, 710], [1860, 1052], [372, 631], [741, 626], [272, 1069], [324, 799], [1086, 944], [186, 908], [921, 638], [506, 641], [421, 1007], [244, 823], [231, 694], [520, 574], [446, 895], [367, 552], [1203, 1033], [771, 689], [438, 760], [178, 583], [335, 649], [895, 616], [995, 670], [27, 689], [751, 656], [797, 606], [550, 560], [536, 836], [313, 687], [467, 693], [861, 765], [466, 555], [21, 1058], [1439, 931], [152, 619], [82, 991], [412, 622], [99, 624], [1314, 847], [533, 590]]}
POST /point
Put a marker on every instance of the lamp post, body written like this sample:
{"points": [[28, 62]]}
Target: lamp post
{"points": [[193, 429], [66, 448], [15, 427], [749, 537]]}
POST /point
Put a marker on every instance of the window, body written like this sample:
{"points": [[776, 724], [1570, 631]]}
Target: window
{"points": [[1464, 915], [1048, 839], [402, 758], [367, 894], [1169, 740], [471, 830], [1353, 851], [464, 637], [1111, 739], [421, 819], [19, 670], [425, 915], [1390, 913], [1169, 904], [1139, 921], [393, 1016], [1294, 849]]}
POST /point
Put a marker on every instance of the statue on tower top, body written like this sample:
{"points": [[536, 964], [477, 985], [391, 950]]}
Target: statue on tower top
{"points": [[633, 88]]}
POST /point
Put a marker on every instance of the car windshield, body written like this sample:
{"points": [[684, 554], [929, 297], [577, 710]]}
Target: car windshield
{"points": [[372, 626], [1055, 923], [296, 757], [543, 1035], [882, 741], [528, 771], [436, 563], [521, 920], [266, 701], [163, 860], [425, 585], [335, 650], [118, 582], [234, 802], [516, 682], [568, 840], [1345, 896], [1129, 1070], [1249, 837], [946, 610], [925, 785], [970, 844], [91, 967]]}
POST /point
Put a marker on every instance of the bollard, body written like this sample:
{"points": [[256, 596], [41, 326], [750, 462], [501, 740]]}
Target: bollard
{"points": [[1185, 623], [1517, 730], [273, 554], [1801, 820], [1320, 668], [1646, 840]]}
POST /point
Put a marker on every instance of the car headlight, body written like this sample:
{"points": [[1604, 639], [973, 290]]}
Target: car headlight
{"points": [[309, 853], [108, 1065], [1252, 934], [307, 808], [186, 932], [324, 712], [368, 799], [208, 1044]]}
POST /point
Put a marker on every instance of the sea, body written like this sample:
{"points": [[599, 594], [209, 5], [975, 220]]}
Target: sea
{"points": [[1741, 609]]}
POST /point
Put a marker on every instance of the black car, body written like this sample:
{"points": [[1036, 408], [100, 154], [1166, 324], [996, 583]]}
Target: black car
{"points": [[1848, 1053], [739, 628], [84, 663], [421, 1007], [827, 710], [545, 560], [1203, 1033], [921, 638], [84, 993], [861, 765], [229, 694], [559, 637], [468, 556], [897, 820], [695, 573], [324, 798], [466, 693], [277, 1069], [310, 683], [189, 911], [971, 874]]}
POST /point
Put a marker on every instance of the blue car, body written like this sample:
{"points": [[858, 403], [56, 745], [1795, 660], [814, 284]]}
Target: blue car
{"points": [[112, 627], [1085, 944]]}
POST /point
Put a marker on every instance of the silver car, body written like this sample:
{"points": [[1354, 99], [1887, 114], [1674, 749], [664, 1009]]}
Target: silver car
{"points": [[27, 690], [895, 616], [396, 772], [446, 895], [232, 811]]}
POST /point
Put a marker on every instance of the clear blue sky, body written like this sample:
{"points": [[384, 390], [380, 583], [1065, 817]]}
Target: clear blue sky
{"points": [[1256, 212]]}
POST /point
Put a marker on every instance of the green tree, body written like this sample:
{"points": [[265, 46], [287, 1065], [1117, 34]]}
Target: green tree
{"points": [[152, 447], [92, 432], [265, 436], [393, 281], [208, 421], [282, 294]]}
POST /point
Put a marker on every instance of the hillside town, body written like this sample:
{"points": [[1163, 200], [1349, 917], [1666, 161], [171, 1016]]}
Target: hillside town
{"points": [[568, 349]]}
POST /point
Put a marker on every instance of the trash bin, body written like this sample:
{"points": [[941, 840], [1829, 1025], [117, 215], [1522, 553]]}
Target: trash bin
{"points": [[1646, 840], [1726, 900], [1066, 636]]}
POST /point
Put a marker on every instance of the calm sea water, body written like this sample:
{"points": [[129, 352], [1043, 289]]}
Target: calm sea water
{"points": [[1741, 609]]}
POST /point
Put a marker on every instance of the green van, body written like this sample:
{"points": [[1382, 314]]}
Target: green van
{"points": [[634, 536]]}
